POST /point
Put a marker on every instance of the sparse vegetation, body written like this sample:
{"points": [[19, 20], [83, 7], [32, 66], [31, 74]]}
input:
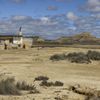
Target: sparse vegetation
{"points": [[24, 86], [8, 87], [93, 55], [45, 82], [58, 57], [41, 78], [48, 84], [79, 57], [13, 62], [58, 83]]}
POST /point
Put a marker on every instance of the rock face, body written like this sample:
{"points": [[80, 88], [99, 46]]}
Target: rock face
{"points": [[83, 38]]}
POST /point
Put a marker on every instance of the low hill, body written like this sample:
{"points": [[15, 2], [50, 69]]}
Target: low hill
{"points": [[83, 38]]}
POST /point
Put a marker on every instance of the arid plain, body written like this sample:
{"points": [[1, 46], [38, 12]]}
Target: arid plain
{"points": [[26, 64]]}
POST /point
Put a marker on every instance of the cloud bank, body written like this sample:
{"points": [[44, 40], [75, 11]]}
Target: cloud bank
{"points": [[52, 26], [56, 25], [92, 6]]}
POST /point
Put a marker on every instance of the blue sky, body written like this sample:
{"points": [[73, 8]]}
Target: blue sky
{"points": [[38, 8], [50, 18]]}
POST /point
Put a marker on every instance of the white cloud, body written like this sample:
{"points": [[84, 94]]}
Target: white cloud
{"points": [[18, 18], [93, 2], [17, 1], [52, 26], [89, 24], [45, 19], [93, 5], [71, 16]]}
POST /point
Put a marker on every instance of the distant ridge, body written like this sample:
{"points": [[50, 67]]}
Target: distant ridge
{"points": [[83, 38]]}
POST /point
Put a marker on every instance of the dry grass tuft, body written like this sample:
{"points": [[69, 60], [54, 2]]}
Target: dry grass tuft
{"points": [[8, 87], [24, 86]]}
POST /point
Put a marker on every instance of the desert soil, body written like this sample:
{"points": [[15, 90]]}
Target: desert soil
{"points": [[30, 63]]}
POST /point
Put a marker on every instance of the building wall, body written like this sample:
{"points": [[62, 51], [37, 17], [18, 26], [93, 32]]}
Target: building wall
{"points": [[18, 40], [27, 42]]}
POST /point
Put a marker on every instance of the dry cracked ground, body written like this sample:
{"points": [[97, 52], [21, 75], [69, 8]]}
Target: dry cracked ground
{"points": [[25, 65]]}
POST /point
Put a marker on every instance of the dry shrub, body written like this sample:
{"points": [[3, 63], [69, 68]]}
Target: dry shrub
{"points": [[8, 87], [93, 55], [58, 57], [41, 78], [48, 84], [27, 87], [72, 57], [45, 82], [78, 57], [58, 83], [24, 86]]}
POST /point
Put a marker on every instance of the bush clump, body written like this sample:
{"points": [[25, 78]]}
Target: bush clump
{"points": [[72, 57], [58, 57], [8, 87], [24, 86], [45, 82], [48, 84], [78, 58], [93, 55], [58, 83], [41, 78]]}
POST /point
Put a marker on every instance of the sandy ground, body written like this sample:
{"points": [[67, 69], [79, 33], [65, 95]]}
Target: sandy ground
{"points": [[30, 63]]}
